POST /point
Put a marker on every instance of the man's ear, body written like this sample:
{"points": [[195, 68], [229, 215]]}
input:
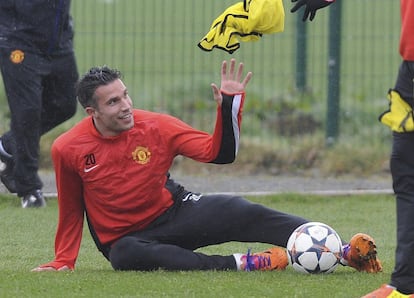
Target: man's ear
{"points": [[90, 111]]}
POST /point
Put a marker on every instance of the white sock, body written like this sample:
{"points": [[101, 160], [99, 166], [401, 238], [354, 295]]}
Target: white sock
{"points": [[237, 258]]}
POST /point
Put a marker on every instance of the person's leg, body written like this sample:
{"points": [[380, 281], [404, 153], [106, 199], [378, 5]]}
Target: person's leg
{"points": [[402, 169], [199, 221], [22, 82], [214, 219], [132, 253], [59, 98]]}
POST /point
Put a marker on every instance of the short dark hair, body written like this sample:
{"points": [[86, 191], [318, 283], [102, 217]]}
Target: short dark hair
{"points": [[91, 80]]}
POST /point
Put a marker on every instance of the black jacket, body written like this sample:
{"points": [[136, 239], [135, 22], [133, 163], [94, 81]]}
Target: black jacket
{"points": [[43, 26]]}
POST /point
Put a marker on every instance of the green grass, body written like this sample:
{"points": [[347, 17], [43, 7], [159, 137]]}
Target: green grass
{"points": [[28, 236]]}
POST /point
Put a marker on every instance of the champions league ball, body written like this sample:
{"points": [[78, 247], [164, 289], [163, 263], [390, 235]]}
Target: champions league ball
{"points": [[314, 247]]}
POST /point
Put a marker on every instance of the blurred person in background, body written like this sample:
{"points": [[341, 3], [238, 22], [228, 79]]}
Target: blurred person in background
{"points": [[39, 73]]}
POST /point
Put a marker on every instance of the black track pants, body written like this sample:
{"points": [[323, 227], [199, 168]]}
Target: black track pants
{"points": [[198, 221], [41, 95], [402, 170]]}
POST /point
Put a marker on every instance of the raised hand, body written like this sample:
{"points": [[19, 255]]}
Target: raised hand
{"points": [[231, 80]]}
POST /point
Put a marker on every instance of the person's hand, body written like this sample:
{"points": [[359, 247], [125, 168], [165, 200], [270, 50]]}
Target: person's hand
{"points": [[231, 80], [49, 268], [311, 7]]}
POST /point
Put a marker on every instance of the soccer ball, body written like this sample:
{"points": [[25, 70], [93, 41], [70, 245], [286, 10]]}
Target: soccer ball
{"points": [[314, 247]]}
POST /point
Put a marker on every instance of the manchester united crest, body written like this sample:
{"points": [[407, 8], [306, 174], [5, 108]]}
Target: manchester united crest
{"points": [[141, 155], [17, 56]]}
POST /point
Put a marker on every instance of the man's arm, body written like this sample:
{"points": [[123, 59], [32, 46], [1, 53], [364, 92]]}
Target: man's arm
{"points": [[220, 147], [228, 127], [71, 216], [230, 98]]}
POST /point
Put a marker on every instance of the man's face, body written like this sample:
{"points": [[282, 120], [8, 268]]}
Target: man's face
{"points": [[113, 114]]}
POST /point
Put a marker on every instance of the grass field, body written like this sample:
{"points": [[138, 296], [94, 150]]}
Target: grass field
{"points": [[27, 239], [154, 44]]}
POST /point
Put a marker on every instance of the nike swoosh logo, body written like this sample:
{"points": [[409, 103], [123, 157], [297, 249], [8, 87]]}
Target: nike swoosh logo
{"points": [[86, 170]]}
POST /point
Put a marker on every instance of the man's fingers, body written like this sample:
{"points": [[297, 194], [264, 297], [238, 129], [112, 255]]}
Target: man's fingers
{"points": [[239, 72], [40, 269], [64, 268], [247, 78], [224, 70], [216, 94], [232, 67], [231, 78], [238, 76], [48, 268], [215, 90]]}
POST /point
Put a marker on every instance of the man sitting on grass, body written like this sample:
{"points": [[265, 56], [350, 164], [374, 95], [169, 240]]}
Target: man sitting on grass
{"points": [[112, 167]]}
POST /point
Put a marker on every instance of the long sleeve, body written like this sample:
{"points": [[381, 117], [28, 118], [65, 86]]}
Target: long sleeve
{"points": [[71, 213], [231, 118]]}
